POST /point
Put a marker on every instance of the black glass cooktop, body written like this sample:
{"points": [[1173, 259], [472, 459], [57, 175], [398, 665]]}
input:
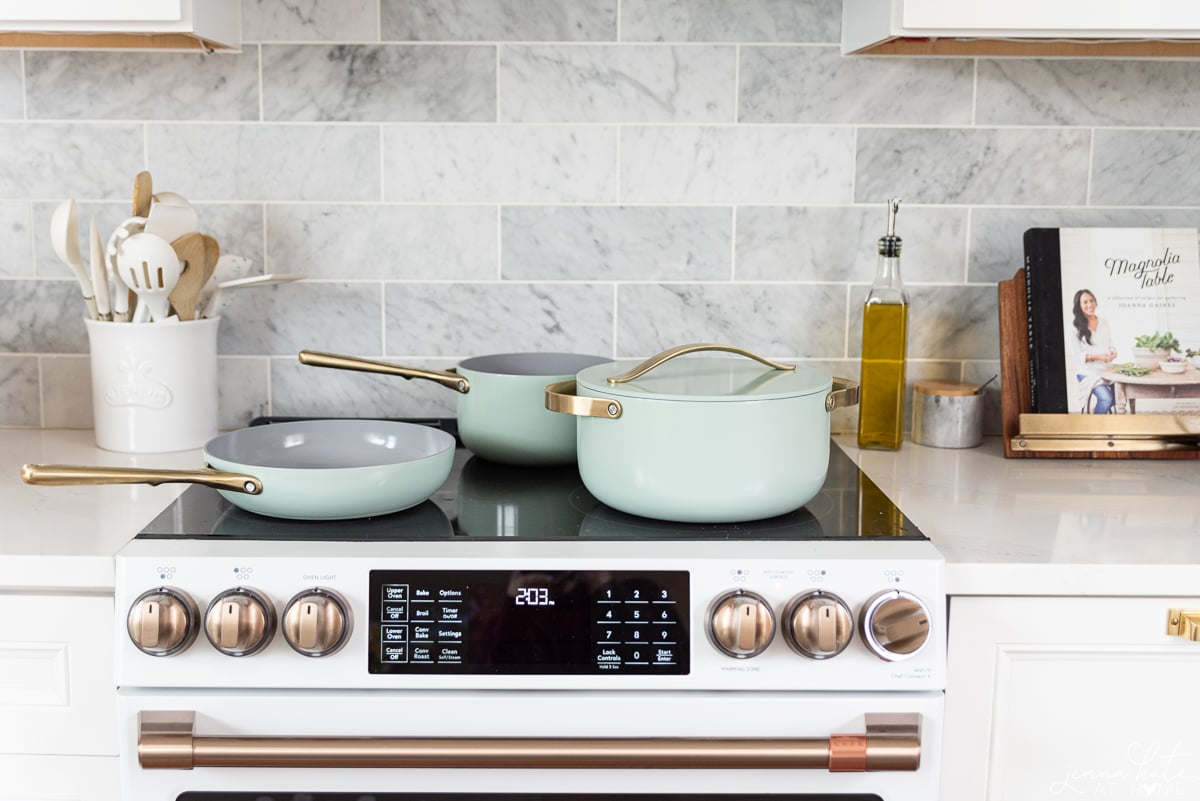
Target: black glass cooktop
{"points": [[486, 500]]}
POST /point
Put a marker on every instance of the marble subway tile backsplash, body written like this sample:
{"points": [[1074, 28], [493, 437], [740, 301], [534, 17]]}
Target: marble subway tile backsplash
{"points": [[617, 83], [630, 243], [458, 177], [818, 84], [739, 164], [352, 83], [500, 20], [1018, 166], [130, 86], [499, 163]]}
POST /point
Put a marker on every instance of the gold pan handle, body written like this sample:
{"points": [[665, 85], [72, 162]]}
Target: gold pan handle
{"points": [[60, 475], [447, 378], [843, 394], [561, 398], [680, 350]]}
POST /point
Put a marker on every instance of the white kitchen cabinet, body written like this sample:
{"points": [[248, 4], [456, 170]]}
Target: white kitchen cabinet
{"points": [[57, 699], [58, 778], [1052, 698], [122, 24], [1151, 28]]}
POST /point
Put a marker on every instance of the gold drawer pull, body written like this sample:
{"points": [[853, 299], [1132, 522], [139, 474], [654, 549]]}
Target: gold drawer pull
{"points": [[1184, 623]]}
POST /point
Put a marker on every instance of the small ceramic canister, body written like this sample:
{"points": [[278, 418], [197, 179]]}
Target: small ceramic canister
{"points": [[947, 415]]}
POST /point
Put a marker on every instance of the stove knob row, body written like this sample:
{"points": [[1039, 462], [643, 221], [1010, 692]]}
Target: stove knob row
{"points": [[893, 624], [238, 622]]}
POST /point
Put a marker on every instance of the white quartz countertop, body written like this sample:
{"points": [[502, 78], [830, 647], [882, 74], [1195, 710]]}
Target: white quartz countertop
{"points": [[65, 537], [1005, 526], [1048, 526]]}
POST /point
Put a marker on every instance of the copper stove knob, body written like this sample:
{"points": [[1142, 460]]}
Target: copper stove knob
{"points": [[817, 624], [163, 621], [894, 624], [240, 622], [740, 624], [316, 622]]}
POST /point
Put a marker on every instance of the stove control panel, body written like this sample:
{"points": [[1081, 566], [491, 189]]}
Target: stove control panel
{"points": [[544, 622], [663, 616]]}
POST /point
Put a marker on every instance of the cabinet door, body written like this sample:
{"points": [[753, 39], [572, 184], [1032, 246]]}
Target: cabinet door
{"points": [[1061, 15], [56, 682], [53, 778], [1052, 698], [91, 10]]}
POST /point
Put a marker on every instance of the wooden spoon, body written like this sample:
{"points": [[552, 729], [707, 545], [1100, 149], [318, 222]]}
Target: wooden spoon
{"points": [[190, 248], [212, 254], [143, 191]]}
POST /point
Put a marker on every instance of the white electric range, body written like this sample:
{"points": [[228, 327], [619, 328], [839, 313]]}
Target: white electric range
{"points": [[513, 638]]}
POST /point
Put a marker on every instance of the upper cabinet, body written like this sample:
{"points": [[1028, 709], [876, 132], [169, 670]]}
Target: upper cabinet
{"points": [[1148, 28], [211, 25]]}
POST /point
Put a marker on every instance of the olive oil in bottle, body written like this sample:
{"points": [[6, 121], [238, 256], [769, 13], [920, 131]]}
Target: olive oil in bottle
{"points": [[884, 345]]}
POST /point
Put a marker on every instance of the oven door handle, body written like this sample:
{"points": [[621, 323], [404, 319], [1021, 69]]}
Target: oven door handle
{"points": [[892, 742]]}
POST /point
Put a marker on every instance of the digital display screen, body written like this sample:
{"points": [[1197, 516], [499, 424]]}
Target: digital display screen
{"points": [[528, 622]]}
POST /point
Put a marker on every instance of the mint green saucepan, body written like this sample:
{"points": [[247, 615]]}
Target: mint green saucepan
{"points": [[306, 470], [704, 439], [501, 413]]}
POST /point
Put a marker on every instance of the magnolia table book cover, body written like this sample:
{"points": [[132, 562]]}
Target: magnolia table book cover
{"points": [[1131, 319]]}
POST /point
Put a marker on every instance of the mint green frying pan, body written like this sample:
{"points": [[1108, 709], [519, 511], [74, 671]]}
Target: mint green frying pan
{"points": [[306, 470]]}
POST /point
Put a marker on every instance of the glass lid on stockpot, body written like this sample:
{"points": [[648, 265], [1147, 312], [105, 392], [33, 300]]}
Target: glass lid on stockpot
{"points": [[722, 373]]}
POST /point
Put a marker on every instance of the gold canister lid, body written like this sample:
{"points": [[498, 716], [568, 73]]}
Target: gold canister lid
{"points": [[944, 388]]}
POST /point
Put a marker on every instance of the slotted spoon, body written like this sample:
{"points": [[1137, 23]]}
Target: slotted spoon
{"points": [[148, 265]]}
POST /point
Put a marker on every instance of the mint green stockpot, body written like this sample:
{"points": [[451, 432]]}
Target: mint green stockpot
{"points": [[702, 439], [501, 413]]}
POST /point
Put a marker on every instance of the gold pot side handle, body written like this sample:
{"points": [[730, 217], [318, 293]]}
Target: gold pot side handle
{"points": [[60, 475], [843, 394], [447, 378], [561, 398], [671, 353]]}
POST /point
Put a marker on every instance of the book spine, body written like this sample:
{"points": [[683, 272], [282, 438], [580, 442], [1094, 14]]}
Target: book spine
{"points": [[1030, 329]]}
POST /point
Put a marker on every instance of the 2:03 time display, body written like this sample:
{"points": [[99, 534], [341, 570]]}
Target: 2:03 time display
{"points": [[533, 596]]}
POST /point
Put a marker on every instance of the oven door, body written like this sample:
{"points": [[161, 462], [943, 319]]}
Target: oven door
{"points": [[525, 745]]}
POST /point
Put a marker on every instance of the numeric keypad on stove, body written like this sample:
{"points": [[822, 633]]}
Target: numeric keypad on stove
{"points": [[637, 627]]}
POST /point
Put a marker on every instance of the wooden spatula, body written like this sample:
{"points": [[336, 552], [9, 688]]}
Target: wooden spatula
{"points": [[143, 191], [191, 252]]}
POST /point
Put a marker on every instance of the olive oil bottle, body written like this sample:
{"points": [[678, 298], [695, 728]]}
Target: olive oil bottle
{"points": [[884, 347]]}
